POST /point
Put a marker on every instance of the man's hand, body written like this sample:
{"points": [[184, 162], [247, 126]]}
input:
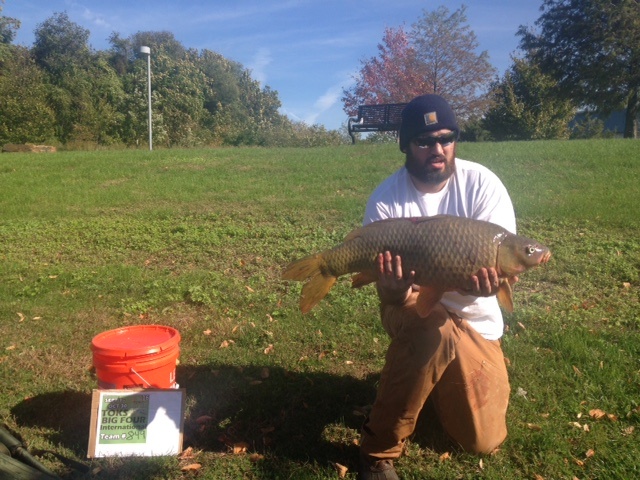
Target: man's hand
{"points": [[393, 285], [485, 283]]}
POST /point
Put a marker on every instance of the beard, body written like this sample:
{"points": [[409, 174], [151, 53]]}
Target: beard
{"points": [[422, 171]]}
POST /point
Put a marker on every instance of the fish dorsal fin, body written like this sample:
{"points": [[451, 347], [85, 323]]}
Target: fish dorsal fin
{"points": [[363, 278], [505, 297], [427, 299], [354, 234], [381, 224]]}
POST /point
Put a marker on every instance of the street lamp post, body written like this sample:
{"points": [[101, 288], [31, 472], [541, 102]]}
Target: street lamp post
{"points": [[147, 51]]}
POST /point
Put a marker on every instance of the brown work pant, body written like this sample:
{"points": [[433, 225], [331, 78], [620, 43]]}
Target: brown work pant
{"points": [[443, 357]]}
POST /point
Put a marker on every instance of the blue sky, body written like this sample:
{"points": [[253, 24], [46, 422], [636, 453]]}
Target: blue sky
{"points": [[306, 50]]}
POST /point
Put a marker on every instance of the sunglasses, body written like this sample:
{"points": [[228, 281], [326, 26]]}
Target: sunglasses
{"points": [[428, 142]]}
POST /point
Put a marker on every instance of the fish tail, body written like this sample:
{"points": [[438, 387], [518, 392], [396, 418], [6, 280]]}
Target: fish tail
{"points": [[319, 284]]}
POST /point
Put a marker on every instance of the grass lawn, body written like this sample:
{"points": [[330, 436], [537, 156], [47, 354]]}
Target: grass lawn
{"points": [[196, 240]]}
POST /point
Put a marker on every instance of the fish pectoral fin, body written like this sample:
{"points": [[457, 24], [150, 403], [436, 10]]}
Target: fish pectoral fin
{"points": [[505, 297], [361, 279], [427, 299]]}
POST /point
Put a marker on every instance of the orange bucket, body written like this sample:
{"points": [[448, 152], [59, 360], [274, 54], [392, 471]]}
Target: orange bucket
{"points": [[142, 356]]}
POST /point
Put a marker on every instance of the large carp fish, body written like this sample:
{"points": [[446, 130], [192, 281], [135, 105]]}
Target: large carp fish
{"points": [[444, 251]]}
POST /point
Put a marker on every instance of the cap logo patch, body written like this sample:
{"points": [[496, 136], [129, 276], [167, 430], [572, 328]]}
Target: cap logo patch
{"points": [[430, 118]]}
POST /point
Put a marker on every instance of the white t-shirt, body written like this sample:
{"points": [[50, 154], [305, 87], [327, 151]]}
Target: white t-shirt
{"points": [[473, 191]]}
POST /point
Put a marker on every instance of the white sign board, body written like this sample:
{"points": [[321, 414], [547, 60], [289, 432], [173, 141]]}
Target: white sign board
{"points": [[144, 422]]}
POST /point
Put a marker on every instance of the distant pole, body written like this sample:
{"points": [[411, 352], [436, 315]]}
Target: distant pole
{"points": [[147, 51]]}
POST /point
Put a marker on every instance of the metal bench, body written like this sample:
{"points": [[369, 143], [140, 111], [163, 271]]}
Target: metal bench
{"points": [[376, 118]]}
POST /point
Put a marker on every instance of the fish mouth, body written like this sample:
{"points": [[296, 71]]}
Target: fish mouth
{"points": [[545, 258]]}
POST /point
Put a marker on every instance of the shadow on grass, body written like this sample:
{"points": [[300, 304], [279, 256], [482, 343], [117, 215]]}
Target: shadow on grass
{"points": [[301, 417], [63, 415], [296, 420]]}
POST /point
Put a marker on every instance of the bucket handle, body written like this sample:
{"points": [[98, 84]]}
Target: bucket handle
{"points": [[141, 377]]}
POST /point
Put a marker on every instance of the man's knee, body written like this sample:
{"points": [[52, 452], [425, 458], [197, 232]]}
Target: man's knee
{"points": [[485, 444]]}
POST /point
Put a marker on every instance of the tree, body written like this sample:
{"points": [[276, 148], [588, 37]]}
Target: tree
{"points": [[60, 44], [24, 113], [526, 106], [446, 47], [438, 56], [592, 47], [84, 90], [8, 27], [392, 77]]}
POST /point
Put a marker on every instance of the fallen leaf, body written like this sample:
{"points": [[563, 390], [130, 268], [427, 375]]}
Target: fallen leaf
{"points": [[224, 344], [249, 289], [596, 413], [628, 431], [521, 325], [256, 457], [590, 453], [207, 331], [533, 426], [612, 417], [576, 370], [11, 347], [626, 285], [341, 469], [481, 464], [240, 448], [21, 317], [192, 467], [521, 392], [445, 456], [538, 477], [188, 453], [578, 462], [268, 350]]}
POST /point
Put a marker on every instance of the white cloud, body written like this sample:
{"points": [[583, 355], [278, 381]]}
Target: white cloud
{"points": [[259, 63], [97, 20], [324, 103]]}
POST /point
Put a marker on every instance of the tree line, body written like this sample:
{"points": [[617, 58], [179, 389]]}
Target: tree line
{"points": [[61, 91], [582, 55]]}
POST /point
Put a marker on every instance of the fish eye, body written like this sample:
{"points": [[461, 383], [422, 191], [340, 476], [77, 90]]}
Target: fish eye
{"points": [[530, 249]]}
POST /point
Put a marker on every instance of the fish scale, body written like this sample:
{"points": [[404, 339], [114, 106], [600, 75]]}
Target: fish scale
{"points": [[444, 251]]}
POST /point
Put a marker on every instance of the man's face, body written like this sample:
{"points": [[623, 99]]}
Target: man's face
{"points": [[432, 163]]}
